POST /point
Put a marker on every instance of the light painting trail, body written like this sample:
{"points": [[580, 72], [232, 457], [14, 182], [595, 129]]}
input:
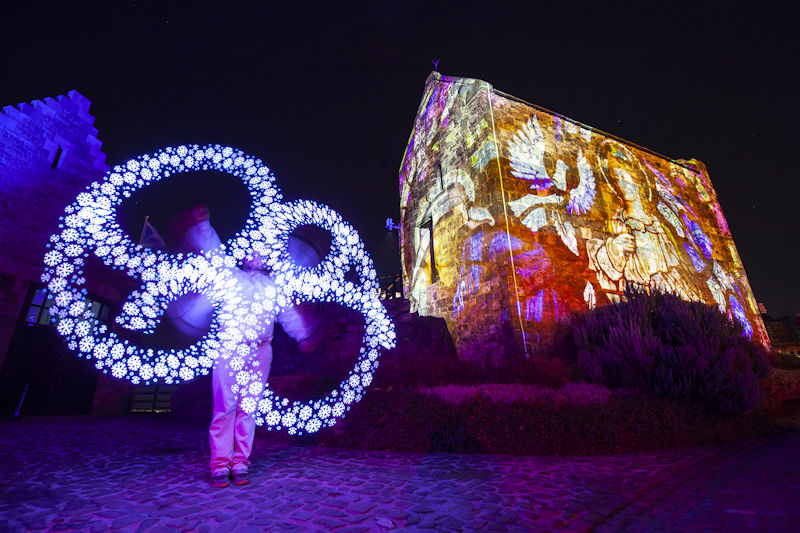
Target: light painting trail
{"points": [[243, 305]]}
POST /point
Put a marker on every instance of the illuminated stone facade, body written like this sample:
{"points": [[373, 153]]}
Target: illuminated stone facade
{"points": [[535, 217], [49, 151]]}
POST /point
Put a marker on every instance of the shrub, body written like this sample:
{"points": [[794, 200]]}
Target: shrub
{"points": [[404, 420], [569, 394], [584, 394], [616, 344], [438, 371], [680, 349]]}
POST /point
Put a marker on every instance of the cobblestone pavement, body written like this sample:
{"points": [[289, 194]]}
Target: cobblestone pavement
{"points": [[140, 473]]}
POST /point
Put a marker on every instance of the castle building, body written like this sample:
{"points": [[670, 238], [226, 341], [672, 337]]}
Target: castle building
{"points": [[514, 218], [784, 333], [49, 151]]}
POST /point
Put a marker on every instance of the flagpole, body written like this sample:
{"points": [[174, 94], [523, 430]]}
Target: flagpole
{"points": [[144, 228]]}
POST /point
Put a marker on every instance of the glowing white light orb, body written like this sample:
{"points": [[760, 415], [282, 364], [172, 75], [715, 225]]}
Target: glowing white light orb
{"points": [[243, 305]]}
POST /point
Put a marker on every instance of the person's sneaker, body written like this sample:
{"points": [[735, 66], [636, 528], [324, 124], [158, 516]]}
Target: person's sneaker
{"points": [[221, 478], [241, 477]]}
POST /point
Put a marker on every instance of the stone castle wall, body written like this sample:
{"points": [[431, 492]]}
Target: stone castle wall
{"points": [[49, 151], [536, 217], [455, 190]]}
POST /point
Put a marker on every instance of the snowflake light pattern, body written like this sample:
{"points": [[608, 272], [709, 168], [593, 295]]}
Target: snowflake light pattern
{"points": [[244, 304]]}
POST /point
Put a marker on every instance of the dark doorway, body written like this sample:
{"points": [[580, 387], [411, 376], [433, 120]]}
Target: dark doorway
{"points": [[59, 382]]}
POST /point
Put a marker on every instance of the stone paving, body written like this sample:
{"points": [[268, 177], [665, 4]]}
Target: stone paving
{"points": [[144, 473]]}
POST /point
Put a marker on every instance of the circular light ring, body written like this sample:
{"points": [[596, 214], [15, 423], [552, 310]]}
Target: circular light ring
{"points": [[324, 282], [244, 304], [346, 251], [90, 223]]}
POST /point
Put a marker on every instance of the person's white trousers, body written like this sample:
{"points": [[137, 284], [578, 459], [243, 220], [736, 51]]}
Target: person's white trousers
{"points": [[231, 431]]}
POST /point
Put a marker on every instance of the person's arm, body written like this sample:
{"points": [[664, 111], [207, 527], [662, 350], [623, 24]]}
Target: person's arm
{"points": [[298, 328]]}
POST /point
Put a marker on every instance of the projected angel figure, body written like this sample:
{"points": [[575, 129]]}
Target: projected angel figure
{"points": [[639, 252], [526, 154]]}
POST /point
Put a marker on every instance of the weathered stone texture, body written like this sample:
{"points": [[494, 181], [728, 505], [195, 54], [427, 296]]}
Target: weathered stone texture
{"points": [[49, 150]]}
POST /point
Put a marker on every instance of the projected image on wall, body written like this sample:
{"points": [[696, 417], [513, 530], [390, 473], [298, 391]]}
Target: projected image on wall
{"points": [[515, 218]]}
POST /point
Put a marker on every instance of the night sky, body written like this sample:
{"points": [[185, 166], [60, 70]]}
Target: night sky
{"points": [[326, 96]]}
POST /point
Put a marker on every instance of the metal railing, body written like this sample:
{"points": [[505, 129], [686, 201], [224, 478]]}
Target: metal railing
{"points": [[391, 287]]}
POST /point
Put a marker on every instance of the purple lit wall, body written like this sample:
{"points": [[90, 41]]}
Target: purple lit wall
{"points": [[49, 150]]}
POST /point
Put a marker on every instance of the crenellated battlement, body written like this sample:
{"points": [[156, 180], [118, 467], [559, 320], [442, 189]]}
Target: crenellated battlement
{"points": [[49, 151]]}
